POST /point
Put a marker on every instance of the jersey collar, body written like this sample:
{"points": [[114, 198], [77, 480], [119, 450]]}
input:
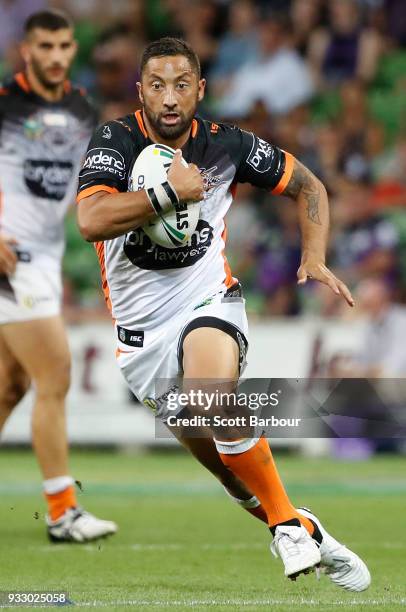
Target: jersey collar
{"points": [[22, 81]]}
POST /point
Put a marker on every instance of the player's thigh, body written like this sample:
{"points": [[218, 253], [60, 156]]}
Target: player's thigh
{"points": [[210, 353], [211, 364], [14, 380], [41, 347]]}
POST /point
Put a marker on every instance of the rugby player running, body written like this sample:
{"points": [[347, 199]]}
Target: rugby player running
{"points": [[45, 124], [180, 310]]}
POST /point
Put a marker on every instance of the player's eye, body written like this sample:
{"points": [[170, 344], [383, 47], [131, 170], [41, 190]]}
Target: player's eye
{"points": [[46, 46], [66, 45], [182, 85], [156, 86]]}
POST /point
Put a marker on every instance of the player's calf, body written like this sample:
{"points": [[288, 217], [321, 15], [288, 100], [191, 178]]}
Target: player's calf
{"points": [[48, 417]]}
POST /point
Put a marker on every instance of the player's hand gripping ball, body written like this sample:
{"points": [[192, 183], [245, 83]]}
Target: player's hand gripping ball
{"points": [[173, 228]]}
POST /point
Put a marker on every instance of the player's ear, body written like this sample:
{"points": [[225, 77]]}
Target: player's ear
{"points": [[75, 47], [25, 51], [139, 89], [202, 86]]}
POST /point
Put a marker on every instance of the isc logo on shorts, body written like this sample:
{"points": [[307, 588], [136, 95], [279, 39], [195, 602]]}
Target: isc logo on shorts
{"points": [[136, 339], [130, 337]]}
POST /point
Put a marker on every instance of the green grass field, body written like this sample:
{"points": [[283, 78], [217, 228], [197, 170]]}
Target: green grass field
{"points": [[182, 544]]}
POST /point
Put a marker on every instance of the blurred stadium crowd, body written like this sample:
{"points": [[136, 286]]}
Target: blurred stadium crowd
{"points": [[324, 79]]}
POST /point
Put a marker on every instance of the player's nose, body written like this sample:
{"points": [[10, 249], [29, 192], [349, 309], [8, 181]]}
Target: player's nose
{"points": [[169, 100]]}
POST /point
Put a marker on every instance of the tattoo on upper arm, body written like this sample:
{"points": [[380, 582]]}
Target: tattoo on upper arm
{"points": [[302, 181]]}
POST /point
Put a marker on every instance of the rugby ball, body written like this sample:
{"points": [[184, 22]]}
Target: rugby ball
{"points": [[175, 227]]}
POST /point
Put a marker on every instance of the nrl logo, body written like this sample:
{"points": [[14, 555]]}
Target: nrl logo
{"points": [[106, 132], [210, 180]]}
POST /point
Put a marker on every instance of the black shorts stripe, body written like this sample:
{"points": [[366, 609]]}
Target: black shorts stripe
{"points": [[215, 323]]}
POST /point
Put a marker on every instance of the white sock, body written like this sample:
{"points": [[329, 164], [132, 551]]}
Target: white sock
{"points": [[58, 484], [236, 447]]}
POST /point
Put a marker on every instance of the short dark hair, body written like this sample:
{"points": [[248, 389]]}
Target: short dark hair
{"points": [[169, 46], [52, 20]]}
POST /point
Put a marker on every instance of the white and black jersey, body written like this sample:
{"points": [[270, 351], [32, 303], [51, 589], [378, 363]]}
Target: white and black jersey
{"points": [[145, 284], [41, 150]]}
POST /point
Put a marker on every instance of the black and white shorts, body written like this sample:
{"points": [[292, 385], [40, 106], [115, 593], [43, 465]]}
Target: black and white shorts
{"points": [[148, 359]]}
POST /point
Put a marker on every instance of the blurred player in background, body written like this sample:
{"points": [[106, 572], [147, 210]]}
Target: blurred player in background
{"points": [[45, 125], [185, 314]]}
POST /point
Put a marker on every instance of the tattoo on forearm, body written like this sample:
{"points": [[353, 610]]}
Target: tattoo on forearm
{"points": [[302, 181], [312, 194]]}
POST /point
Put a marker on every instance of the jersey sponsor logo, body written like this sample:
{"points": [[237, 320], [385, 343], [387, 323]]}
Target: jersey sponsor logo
{"points": [[145, 254], [261, 155], [104, 160], [48, 179]]}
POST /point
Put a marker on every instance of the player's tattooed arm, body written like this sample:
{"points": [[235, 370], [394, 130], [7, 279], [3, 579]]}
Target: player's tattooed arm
{"points": [[303, 184], [311, 196]]}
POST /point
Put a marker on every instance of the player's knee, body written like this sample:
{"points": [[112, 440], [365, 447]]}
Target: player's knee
{"points": [[54, 382]]}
